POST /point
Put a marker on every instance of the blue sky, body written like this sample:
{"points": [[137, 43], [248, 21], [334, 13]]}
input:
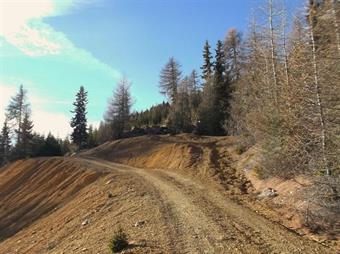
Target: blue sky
{"points": [[54, 46]]}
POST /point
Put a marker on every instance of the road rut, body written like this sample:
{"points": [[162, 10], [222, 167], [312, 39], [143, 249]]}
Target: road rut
{"points": [[201, 220]]}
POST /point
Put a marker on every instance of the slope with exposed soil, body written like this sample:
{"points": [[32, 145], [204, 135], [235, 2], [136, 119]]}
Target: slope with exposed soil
{"points": [[204, 158], [74, 205], [30, 189]]}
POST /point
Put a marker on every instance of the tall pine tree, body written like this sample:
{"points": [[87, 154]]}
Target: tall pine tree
{"points": [[212, 110], [24, 148], [221, 81], [5, 143], [207, 65], [79, 121]]}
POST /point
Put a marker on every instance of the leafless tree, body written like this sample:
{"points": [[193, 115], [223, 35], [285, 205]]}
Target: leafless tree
{"points": [[119, 107]]}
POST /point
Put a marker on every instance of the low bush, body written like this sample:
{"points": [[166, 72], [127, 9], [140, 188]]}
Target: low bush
{"points": [[119, 241]]}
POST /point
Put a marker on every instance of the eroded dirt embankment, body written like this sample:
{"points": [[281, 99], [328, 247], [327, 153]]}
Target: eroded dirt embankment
{"points": [[30, 189], [162, 212], [205, 158], [74, 205]]}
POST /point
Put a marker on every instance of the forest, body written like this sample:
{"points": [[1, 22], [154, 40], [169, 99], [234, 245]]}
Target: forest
{"points": [[275, 87]]}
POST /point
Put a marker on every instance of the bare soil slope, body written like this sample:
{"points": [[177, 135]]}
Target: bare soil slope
{"points": [[32, 188], [205, 158], [74, 205]]}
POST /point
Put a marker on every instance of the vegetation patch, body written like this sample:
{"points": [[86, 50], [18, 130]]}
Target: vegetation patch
{"points": [[119, 241]]}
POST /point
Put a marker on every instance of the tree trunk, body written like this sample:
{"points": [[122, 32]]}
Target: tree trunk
{"points": [[272, 47], [319, 102]]}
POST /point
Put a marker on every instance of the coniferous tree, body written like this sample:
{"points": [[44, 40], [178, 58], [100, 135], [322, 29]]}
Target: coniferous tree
{"points": [[118, 112], [170, 78], [50, 147], [207, 64], [212, 111], [79, 120], [221, 82], [156, 115], [16, 111], [23, 149], [38, 141], [5, 143], [92, 139]]}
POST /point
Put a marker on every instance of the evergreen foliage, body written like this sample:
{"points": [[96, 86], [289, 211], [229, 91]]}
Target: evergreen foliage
{"points": [[207, 65], [79, 120], [5, 144], [119, 241], [156, 115], [50, 147]]}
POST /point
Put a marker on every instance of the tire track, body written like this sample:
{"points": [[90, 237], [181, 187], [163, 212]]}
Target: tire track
{"points": [[200, 220]]}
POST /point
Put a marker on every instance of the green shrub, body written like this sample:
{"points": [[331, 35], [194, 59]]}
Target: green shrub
{"points": [[119, 241]]}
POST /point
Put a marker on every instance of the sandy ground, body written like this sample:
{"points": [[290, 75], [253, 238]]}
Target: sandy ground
{"points": [[176, 213]]}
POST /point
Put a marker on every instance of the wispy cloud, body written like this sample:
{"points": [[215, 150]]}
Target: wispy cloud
{"points": [[18, 26], [29, 43], [22, 25]]}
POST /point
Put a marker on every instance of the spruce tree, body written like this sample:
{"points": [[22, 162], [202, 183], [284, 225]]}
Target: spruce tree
{"points": [[207, 65], [23, 149], [221, 81], [5, 143], [212, 110], [79, 121], [51, 147], [169, 79]]}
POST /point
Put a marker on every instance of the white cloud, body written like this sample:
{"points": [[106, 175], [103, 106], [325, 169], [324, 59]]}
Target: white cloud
{"points": [[35, 41], [16, 25], [22, 25], [56, 123]]}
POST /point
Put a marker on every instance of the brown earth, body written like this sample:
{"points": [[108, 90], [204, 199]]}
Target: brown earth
{"points": [[74, 205], [206, 159]]}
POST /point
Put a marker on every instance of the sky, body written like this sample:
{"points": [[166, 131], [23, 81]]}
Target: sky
{"points": [[52, 47]]}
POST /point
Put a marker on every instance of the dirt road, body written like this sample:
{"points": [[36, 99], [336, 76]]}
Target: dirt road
{"points": [[197, 219]]}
